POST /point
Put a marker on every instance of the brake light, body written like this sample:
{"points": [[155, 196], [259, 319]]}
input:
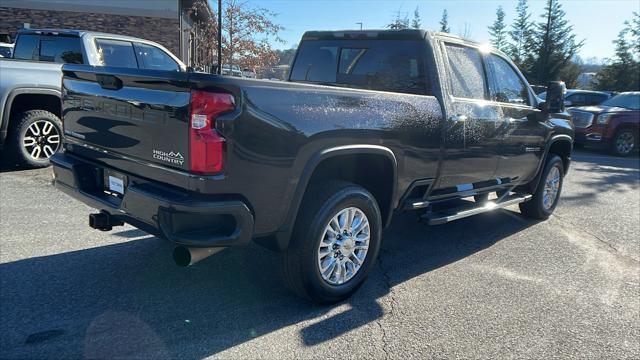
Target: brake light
{"points": [[206, 144]]}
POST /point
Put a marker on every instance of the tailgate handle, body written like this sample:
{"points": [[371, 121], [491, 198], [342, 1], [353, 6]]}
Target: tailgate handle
{"points": [[110, 82]]}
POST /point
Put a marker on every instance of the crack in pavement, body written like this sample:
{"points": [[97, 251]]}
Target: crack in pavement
{"points": [[575, 227], [387, 281]]}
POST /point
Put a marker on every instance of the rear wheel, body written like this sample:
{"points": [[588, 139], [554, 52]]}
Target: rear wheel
{"points": [[335, 242], [624, 142], [545, 199], [34, 137]]}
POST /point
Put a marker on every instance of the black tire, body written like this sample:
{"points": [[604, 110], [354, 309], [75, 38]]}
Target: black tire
{"points": [[535, 208], [321, 203], [621, 135], [15, 149]]}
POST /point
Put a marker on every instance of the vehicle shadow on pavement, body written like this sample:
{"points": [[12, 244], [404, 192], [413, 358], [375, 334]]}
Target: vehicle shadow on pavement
{"points": [[9, 167], [130, 300]]}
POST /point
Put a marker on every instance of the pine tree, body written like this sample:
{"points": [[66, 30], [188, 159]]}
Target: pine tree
{"points": [[634, 29], [554, 45], [444, 22], [498, 32], [623, 71], [416, 23], [400, 22], [520, 46]]}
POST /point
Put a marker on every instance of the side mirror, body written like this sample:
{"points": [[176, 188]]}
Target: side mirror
{"points": [[555, 96], [567, 103]]}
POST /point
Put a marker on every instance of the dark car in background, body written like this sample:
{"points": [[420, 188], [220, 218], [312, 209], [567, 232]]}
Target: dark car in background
{"points": [[575, 97], [613, 124]]}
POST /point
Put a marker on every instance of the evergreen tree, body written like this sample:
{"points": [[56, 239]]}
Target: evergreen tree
{"points": [[416, 23], [554, 45], [444, 22], [634, 29], [498, 32], [623, 71], [520, 45], [400, 22]]}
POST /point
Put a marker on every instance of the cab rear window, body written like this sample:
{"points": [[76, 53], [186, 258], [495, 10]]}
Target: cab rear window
{"points": [[59, 49], [396, 66]]}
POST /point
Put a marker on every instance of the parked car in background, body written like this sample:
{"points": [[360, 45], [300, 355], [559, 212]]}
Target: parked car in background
{"points": [[613, 124], [368, 123], [6, 50], [30, 126], [231, 71], [538, 89], [575, 97], [249, 73]]}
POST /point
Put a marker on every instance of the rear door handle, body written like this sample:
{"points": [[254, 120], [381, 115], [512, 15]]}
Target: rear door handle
{"points": [[458, 118], [109, 82]]}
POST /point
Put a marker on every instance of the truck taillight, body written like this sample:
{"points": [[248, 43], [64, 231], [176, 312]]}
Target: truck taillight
{"points": [[206, 144]]}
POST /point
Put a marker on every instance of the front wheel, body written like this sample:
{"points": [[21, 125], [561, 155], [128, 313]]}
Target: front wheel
{"points": [[335, 242], [546, 197]]}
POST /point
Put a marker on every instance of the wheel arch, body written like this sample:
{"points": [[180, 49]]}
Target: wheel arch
{"points": [[321, 163], [559, 144], [17, 99]]}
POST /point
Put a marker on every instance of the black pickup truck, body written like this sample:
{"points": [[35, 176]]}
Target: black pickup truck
{"points": [[369, 123]]}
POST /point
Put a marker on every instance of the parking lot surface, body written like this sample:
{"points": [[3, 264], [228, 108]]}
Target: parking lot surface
{"points": [[494, 285]]}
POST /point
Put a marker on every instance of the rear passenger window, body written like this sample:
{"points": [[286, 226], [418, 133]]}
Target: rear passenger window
{"points": [[577, 99], [596, 99], [117, 53], [466, 72], [153, 58], [507, 86]]}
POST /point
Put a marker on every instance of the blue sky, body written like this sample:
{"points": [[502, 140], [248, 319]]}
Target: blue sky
{"points": [[596, 21]]}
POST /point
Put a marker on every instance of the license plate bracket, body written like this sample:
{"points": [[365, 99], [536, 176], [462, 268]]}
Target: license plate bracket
{"points": [[115, 183]]}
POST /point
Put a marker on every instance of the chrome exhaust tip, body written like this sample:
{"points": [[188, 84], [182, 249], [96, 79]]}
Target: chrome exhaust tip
{"points": [[187, 256]]}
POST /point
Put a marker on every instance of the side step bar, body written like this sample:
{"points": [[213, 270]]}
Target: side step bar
{"points": [[472, 208]]}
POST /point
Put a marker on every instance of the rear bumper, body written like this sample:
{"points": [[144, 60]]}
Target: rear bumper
{"points": [[182, 217]]}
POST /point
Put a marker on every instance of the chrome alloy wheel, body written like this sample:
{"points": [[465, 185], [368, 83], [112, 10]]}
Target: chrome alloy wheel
{"points": [[551, 188], [625, 143], [344, 245], [41, 140]]}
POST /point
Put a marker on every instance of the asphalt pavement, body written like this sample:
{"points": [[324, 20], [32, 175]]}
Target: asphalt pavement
{"points": [[495, 285]]}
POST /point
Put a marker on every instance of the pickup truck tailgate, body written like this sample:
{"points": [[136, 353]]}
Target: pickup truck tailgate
{"points": [[133, 113]]}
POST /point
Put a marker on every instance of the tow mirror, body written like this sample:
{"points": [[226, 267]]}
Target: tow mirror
{"points": [[555, 96]]}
